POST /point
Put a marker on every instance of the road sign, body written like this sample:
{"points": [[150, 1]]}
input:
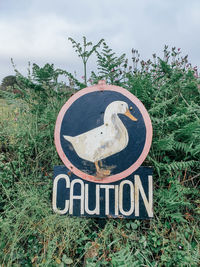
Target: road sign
{"points": [[103, 133]]}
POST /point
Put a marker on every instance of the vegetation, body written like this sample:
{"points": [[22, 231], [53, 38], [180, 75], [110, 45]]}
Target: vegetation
{"points": [[83, 53], [32, 235], [8, 83]]}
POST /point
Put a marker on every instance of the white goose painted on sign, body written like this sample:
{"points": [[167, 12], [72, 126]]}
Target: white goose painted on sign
{"points": [[106, 140]]}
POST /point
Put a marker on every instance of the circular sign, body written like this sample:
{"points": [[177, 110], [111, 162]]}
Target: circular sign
{"points": [[103, 133]]}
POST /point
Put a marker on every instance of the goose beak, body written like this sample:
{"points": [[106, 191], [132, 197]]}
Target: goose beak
{"points": [[128, 114]]}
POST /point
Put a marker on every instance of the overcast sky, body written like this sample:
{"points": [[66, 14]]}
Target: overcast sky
{"points": [[38, 30]]}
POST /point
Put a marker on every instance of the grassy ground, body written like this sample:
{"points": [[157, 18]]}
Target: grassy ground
{"points": [[33, 236]]}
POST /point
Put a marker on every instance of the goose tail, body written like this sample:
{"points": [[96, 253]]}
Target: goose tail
{"points": [[68, 138]]}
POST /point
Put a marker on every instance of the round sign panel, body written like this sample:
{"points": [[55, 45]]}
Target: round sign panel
{"points": [[103, 133]]}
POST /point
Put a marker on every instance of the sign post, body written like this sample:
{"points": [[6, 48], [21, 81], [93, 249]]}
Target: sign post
{"points": [[103, 133]]}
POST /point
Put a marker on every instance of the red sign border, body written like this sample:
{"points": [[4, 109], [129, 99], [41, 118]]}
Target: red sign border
{"points": [[102, 86]]}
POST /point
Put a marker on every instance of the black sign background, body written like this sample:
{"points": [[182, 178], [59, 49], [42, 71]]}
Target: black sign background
{"points": [[63, 194], [87, 113]]}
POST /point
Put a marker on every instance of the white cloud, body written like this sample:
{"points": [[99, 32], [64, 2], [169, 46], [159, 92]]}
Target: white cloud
{"points": [[37, 31], [40, 37]]}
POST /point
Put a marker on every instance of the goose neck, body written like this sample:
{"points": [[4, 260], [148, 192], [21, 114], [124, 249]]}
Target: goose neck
{"points": [[112, 119]]}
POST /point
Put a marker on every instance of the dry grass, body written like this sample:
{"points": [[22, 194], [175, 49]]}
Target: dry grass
{"points": [[7, 111]]}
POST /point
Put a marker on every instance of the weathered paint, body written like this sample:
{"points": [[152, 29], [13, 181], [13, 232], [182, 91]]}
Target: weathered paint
{"points": [[131, 197], [88, 130], [106, 140]]}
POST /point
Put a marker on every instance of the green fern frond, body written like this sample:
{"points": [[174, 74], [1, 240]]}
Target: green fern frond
{"points": [[157, 120], [165, 144], [196, 151], [180, 146], [109, 65], [68, 74], [178, 166], [189, 131], [158, 106]]}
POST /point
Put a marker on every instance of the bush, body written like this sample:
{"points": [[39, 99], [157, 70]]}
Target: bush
{"points": [[8, 83]]}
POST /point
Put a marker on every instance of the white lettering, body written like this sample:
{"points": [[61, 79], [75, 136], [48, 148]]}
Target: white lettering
{"points": [[116, 200], [139, 188], [72, 196], [120, 203], [55, 185], [107, 188], [126, 213], [96, 210]]}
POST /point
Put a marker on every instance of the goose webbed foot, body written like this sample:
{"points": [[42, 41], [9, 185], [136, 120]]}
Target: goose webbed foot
{"points": [[101, 173]]}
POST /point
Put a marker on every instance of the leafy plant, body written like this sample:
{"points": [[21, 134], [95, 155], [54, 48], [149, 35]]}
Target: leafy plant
{"points": [[8, 83], [83, 53], [109, 66], [31, 235]]}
